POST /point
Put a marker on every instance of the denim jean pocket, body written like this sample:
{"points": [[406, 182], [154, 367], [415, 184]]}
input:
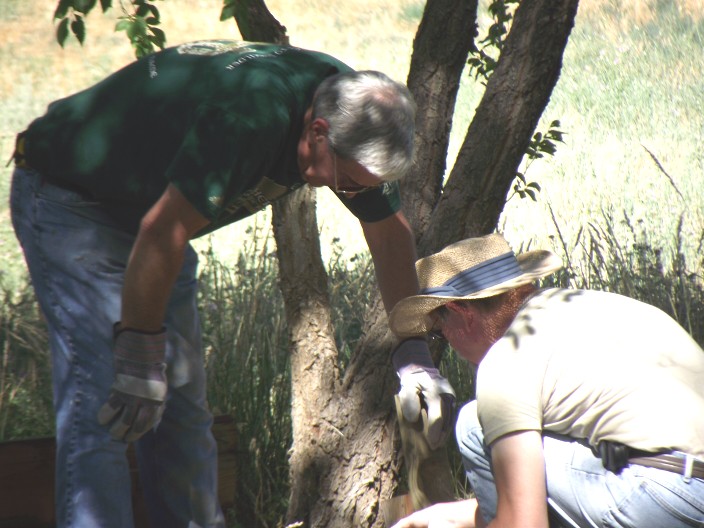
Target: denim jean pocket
{"points": [[60, 195], [683, 501], [662, 501]]}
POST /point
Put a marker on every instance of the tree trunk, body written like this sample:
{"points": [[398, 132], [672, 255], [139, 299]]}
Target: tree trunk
{"points": [[342, 460], [315, 376], [445, 36], [497, 138]]}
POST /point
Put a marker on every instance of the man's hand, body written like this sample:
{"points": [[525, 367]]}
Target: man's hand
{"points": [[422, 387], [136, 401]]}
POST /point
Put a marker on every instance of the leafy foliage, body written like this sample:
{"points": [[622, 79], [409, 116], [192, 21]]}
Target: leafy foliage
{"points": [[140, 27], [140, 23], [539, 146], [482, 63], [484, 58], [71, 16]]}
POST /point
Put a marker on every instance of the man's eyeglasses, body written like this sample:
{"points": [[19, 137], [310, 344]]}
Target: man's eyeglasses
{"points": [[348, 190], [437, 336], [435, 333]]}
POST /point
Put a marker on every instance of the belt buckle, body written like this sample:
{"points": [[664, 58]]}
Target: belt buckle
{"points": [[18, 155], [688, 466]]}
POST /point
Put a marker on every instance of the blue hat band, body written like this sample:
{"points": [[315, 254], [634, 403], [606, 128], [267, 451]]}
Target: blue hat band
{"points": [[477, 278]]}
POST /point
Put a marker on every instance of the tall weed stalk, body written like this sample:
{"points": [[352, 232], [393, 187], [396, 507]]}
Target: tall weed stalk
{"points": [[629, 262], [25, 367]]}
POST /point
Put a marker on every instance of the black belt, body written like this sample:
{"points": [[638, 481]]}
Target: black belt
{"points": [[676, 463], [616, 456], [18, 156]]}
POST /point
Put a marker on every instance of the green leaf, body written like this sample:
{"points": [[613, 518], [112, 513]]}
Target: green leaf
{"points": [[62, 32], [550, 145], [62, 8], [122, 25], [78, 28], [143, 10], [158, 38], [228, 11], [555, 135], [137, 29], [105, 5], [83, 6], [154, 11], [141, 49]]}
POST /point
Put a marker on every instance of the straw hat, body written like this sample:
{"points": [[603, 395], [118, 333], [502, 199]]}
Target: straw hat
{"points": [[474, 268]]}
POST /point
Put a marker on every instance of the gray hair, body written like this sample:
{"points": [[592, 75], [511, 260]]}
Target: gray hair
{"points": [[371, 119]]}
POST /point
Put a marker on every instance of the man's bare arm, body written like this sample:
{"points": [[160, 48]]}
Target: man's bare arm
{"points": [[156, 259]]}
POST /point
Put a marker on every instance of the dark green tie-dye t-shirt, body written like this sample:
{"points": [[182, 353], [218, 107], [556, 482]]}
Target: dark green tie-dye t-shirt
{"points": [[220, 120]]}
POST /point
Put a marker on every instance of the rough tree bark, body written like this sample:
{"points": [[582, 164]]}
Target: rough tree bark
{"points": [[443, 41], [344, 456]]}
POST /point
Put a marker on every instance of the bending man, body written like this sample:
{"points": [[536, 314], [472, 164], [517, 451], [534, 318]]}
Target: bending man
{"points": [[111, 185]]}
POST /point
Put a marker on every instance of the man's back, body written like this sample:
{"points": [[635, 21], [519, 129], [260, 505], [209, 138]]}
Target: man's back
{"points": [[599, 366], [213, 118]]}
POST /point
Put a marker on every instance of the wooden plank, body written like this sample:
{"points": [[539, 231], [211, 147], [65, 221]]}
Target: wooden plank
{"points": [[27, 483], [27, 478]]}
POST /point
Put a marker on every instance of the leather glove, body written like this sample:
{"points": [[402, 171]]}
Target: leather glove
{"points": [[136, 402], [424, 391]]}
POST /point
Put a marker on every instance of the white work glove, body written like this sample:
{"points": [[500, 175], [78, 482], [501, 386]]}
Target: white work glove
{"points": [[424, 389], [136, 402]]}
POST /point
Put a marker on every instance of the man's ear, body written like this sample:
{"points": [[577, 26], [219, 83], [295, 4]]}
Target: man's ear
{"points": [[462, 315], [320, 128]]}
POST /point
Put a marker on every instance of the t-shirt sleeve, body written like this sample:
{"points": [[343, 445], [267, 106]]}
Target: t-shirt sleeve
{"points": [[509, 391], [374, 205]]}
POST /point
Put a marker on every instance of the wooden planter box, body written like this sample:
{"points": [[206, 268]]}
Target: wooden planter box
{"points": [[27, 478]]}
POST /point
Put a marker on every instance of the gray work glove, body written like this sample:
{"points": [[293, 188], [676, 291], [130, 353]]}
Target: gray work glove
{"points": [[136, 402], [423, 389]]}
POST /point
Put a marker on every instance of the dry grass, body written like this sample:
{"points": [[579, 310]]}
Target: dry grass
{"points": [[637, 11]]}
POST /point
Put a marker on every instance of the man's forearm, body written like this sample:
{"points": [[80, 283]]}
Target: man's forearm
{"points": [[151, 272], [393, 252], [156, 260]]}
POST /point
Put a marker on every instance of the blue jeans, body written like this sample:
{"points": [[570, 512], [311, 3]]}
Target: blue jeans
{"points": [[76, 257], [581, 493]]}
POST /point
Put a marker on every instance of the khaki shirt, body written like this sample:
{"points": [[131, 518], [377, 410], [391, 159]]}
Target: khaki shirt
{"points": [[595, 366]]}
